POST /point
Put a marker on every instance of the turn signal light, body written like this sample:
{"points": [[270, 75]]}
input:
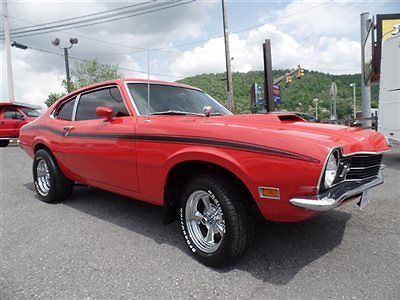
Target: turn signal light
{"points": [[269, 192]]}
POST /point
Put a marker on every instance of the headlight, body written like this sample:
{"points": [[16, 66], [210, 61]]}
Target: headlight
{"points": [[331, 169]]}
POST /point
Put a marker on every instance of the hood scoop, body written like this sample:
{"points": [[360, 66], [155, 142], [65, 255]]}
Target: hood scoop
{"points": [[290, 118]]}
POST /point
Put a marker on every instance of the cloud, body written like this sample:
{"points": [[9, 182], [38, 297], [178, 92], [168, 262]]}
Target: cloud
{"points": [[36, 73], [327, 54]]}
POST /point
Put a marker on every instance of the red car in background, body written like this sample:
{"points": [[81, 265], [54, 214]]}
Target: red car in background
{"points": [[174, 146], [12, 118]]}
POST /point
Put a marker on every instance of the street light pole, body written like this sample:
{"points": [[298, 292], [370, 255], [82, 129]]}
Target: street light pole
{"points": [[56, 43], [354, 99], [316, 100], [67, 70]]}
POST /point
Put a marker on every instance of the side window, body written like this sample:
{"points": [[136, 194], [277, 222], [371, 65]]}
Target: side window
{"points": [[65, 110], [9, 112], [108, 97]]}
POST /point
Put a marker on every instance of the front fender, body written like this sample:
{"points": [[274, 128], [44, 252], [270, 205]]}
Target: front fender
{"points": [[210, 155]]}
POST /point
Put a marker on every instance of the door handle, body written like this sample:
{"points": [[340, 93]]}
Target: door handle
{"points": [[67, 130]]}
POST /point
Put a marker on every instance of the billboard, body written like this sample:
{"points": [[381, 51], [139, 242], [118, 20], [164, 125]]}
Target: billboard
{"points": [[387, 25]]}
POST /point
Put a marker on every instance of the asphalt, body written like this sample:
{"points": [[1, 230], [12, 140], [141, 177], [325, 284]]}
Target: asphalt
{"points": [[98, 245]]}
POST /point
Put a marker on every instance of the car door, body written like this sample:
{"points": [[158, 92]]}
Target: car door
{"points": [[11, 122], [98, 149]]}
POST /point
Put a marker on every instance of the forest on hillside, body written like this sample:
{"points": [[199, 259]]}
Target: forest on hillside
{"points": [[296, 96]]}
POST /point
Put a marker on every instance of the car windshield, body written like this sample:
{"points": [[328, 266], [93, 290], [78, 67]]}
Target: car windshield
{"points": [[30, 112], [173, 100]]}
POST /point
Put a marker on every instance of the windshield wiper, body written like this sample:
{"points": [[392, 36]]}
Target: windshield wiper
{"points": [[176, 112]]}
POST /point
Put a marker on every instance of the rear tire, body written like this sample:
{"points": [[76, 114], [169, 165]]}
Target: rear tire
{"points": [[50, 183], [4, 143], [215, 221]]}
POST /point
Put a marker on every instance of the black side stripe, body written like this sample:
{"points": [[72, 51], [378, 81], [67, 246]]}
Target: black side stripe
{"points": [[184, 140]]}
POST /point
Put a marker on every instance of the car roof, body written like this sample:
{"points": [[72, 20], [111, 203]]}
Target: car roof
{"points": [[18, 104], [128, 80], [135, 80]]}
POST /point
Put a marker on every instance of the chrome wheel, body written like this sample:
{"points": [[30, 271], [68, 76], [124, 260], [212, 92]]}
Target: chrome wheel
{"points": [[204, 221], [43, 177]]}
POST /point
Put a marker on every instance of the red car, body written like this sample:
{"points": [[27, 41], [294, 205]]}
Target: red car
{"points": [[12, 118], [174, 146]]}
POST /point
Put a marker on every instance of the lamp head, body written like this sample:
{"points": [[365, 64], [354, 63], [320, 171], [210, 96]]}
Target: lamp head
{"points": [[56, 42], [73, 40]]}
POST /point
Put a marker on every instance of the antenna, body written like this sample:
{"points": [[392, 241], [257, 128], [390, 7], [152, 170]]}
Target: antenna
{"points": [[148, 84]]}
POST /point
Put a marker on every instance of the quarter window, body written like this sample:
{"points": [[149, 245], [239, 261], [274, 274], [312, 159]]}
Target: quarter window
{"points": [[66, 109], [108, 97]]}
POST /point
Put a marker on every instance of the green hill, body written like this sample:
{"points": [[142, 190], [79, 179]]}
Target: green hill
{"points": [[296, 96]]}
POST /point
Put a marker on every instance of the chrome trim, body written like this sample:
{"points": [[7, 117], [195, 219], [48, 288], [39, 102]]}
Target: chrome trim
{"points": [[336, 148], [330, 200], [363, 168], [77, 97], [366, 153], [130, 96]]}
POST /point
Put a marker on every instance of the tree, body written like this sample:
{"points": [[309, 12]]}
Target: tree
{"points": [[89, 72], [85, 73], [53, 97]]}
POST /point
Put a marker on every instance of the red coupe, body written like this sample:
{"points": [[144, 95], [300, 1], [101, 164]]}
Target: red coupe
{"points": [[175, 146]]}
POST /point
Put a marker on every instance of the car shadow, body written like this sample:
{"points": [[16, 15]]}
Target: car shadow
{"points": [[279, 252], [392, 159]]}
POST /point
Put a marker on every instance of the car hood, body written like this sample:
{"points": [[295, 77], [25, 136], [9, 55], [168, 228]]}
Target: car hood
{"points": [[286, 132]]}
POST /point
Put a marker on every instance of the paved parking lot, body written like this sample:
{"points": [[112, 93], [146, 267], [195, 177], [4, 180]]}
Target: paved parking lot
{"points": [[99, 245]]}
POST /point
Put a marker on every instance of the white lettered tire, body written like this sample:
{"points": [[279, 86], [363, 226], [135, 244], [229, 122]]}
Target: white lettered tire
{"points": [[214, 220]]}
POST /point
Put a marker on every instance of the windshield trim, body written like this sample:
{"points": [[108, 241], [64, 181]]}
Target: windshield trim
{"points": [[126, 83]]}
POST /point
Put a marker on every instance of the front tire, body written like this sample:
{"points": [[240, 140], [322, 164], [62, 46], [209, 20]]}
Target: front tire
{"points": [[4, 143], [215, 221], [50, 183]]}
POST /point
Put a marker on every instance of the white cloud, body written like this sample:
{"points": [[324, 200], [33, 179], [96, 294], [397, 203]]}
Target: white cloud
{"points": [[327, 54]]}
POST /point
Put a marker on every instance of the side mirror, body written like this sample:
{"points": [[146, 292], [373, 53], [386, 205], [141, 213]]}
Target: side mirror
{"points": [[105, 112]]}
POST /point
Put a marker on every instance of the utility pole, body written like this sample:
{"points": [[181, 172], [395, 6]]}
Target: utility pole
{"points": [[365, 89], [268, 80], [7, 43], [231, 103]]}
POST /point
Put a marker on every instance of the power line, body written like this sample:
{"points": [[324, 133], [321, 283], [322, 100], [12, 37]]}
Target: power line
{"points": [[79, 24], [81, 17], [103, 64], [188, 43]]}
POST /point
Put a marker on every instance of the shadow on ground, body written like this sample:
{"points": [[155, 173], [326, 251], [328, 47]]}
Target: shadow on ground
{"points": [[279, 252], [392, 159]]}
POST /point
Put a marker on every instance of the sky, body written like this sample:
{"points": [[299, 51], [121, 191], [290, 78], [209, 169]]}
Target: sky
{"points": [[187, 40]]}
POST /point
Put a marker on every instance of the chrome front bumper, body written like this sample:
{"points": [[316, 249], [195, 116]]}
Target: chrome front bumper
{"points": [[336, 196]]}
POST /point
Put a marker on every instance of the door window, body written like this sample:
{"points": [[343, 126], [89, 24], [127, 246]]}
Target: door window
{"points": [[10, 112], [65, 111], [108, 97]]}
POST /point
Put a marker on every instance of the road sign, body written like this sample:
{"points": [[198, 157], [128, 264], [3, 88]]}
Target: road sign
{"points": [[277, 94]]}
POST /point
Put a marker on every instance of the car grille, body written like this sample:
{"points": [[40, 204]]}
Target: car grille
{"points": [[362, 167]]}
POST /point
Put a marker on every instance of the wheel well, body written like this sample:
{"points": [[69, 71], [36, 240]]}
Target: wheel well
{"points": [[41, 146], [180, 174]]}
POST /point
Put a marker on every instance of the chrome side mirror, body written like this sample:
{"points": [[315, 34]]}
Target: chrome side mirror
{"points": [[207, 110]]}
